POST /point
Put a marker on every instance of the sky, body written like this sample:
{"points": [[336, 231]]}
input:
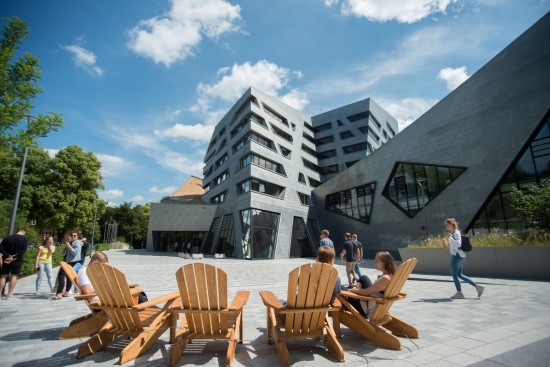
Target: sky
{"points": [[142, 84]]}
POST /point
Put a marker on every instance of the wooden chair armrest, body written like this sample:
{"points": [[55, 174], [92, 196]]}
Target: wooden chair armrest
{"points": [[240, 300], [133, 285], [270, 300], [347, 294], [82, 297], [134, 291], [162, 299]]}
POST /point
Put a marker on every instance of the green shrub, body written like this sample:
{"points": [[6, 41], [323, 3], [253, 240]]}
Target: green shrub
{"points": [[490, 240], [30, 259]]}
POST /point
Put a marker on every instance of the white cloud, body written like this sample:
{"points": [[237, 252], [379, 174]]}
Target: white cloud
{"points": [[110, 165], [453, 77], [173, 36], [52, 152], [296, 99], [198, 132], [165, 155], [406, 110], [264, 75], [137, 199], [111, 194], [166, 190], [404, 11], [85, 60], [418, 50]]}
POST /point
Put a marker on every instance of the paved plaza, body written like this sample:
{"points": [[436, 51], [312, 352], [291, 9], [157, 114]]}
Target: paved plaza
{"points": [[508, 326]]}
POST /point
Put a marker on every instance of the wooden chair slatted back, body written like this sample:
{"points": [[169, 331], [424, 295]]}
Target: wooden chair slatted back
{"points": [[394, 288], [204, 287], [310, 286], [112, 289], [73, 276]]}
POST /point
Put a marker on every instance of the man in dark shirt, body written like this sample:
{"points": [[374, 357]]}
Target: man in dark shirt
{"points": [[351, 253], [13, 249]]}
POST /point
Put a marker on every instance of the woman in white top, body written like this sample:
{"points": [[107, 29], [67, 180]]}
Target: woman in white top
{"points": [[457, 259]]}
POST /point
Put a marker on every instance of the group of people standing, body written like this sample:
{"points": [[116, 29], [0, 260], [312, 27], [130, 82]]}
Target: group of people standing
{"points": [[13, 248]]}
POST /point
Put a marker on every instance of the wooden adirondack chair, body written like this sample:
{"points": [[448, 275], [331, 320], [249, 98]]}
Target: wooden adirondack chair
{"points": [[143, 322], [310, 288], [372, 329], [86, 325], [91, 323], [203, 292]]}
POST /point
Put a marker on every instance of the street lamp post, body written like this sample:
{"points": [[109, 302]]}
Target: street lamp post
{"points": [[19, 183], [420, 181], [93, 230]]}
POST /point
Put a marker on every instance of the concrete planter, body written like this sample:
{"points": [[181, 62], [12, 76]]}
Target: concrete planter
{"points": [[524, 262]]}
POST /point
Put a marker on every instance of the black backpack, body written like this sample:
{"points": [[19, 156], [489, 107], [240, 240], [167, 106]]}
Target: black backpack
{"points": [[466, 245]]}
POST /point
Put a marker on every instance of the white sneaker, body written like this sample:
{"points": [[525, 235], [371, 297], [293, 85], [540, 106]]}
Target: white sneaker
{"points": [[480, 290], [458, 295]]}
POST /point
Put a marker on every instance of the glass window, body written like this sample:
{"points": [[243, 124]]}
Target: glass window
{"points": [[218, 199], [259, 230], [346, 135], [323, 127], [301, 178], [358, 116], [313, 182], [355, 203], [208, 242], [304, 198], [278, 117], [309, 151], [327, 154], [281, 133], [325, 140], [300, 243], [287, 153], [412, 186], [262, 187], [226, 240]]}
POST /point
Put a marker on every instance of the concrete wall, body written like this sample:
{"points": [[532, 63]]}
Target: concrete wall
{"points": [[178, 217], [482, 125]]}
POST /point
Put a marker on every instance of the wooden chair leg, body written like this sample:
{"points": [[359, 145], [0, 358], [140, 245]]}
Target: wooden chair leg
{"points": [[142, 342], [401, 328], [331, 341], [86, 327], [177, 350], [231, 348], [96, 343], [282, 349], [269, 325], [240, 323]]}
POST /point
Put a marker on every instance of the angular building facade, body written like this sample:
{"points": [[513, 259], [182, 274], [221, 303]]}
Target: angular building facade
{"points": [[460, 159], [274, 176], [262, 163]]}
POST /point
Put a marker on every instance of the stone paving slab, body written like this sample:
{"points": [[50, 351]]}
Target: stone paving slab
{"points": [[508, 325]]}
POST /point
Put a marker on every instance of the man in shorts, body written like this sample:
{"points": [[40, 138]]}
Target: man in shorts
{"points": [[13, 250]]}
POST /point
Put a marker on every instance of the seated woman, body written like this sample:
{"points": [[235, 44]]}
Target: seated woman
{"points": [[383, 262]]}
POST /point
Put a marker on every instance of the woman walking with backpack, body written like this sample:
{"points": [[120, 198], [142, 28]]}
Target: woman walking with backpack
{"points": [[457, 259]]}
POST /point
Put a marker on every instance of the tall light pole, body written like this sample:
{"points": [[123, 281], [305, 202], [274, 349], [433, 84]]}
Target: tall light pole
{"points": [[19, 183], [420, 181], [93, 229]]}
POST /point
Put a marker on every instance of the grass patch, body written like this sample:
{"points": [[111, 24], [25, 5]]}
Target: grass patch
{"points": [[490, 240]]}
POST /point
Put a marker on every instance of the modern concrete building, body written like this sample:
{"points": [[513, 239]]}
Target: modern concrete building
{"points": [[264, 159], [460, 159], [274, 176]]}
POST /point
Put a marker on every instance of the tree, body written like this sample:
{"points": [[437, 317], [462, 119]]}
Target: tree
{"points": [[132, 221], [18, 89], [71, 194], [532, 205]]}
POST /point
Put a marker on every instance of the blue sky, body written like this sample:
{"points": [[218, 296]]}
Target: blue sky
{"points": [[141, 84]]}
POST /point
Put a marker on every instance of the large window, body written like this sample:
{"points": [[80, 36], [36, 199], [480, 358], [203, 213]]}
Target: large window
{"points": [[260, 161], [325, 140], [312, 166], [221, 178], [246, 104], [305, 199], [360, 147], [359, 116], [207, 245], [300, 243], [346, 135], [218, 199], [532, 167], [355, 203], [318, 129], [224, 158], [262, 187], [327, 154], [281, 133], [309, 151], [329, 170], [412, 186], [254, 137], [250, 117], [271, 112], [259, 230], [226, 239]]}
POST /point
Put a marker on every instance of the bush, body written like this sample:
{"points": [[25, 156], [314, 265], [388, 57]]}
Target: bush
{"points": [[30, 259], [490, 240]]}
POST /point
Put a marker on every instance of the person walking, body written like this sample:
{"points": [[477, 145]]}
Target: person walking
{"points": [[13, 250], [43, 262], [350, 252], [74, 250], [359, 246], [325, 241], [457, 259]]}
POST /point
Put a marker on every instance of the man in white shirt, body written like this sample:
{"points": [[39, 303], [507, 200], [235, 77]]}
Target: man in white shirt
{"points": [[83, 280]]}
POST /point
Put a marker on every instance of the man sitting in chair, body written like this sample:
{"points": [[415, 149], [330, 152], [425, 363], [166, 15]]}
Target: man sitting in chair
{"points": [[83, 280], [327, 255]]}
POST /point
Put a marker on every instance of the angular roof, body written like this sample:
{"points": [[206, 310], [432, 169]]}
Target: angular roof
{"points": [[189, 193]]}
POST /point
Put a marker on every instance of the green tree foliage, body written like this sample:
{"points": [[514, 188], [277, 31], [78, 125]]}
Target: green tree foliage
{"points": [[18, 89], [532, 205], [132, 221]]}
